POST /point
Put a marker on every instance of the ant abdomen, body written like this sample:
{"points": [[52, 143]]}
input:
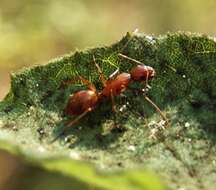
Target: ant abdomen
{"points": [[79, 102]]}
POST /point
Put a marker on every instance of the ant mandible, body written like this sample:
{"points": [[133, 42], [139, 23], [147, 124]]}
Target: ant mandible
{"points": [[85, 101]]}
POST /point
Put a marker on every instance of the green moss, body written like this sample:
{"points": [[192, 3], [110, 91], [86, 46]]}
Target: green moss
{"points": [[184, 88]]}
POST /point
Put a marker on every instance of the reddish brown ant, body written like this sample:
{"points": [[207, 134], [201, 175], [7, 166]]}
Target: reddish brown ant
{"points": [[85, 101]]}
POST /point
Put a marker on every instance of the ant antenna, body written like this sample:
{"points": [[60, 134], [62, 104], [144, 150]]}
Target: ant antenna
{"points": [[130, 59], [114, 74], [102, 77]]}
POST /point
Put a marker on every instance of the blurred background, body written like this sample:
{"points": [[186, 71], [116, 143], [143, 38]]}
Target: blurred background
{"points": [[34, 31]]}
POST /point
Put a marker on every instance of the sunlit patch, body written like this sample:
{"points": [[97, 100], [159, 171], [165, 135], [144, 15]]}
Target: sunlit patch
{"points": [[123, 108], [1, 123], [187, 124], [74, 155], [131, 148], [41, 149]]}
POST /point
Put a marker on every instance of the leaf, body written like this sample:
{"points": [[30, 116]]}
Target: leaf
{"points": [[183, 155]]}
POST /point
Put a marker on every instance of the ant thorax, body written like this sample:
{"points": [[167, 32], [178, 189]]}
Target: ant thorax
{"points": [[116, 86]]}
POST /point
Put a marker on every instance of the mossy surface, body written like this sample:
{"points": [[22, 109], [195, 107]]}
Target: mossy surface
{"points": [[183, 155]]}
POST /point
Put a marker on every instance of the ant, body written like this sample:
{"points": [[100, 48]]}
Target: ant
{"points": [[85, 101]]}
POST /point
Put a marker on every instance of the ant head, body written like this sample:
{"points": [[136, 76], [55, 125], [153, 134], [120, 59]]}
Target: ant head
{"points": [[142, 72]]}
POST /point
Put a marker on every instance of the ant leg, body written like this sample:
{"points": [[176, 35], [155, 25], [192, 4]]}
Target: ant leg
{"points": [[113, 102], [83, 80], [157, 109], [114, 110], [146, 86], [152, 103], [88, 83], [117, 127], [71, 123], [102, 77]]}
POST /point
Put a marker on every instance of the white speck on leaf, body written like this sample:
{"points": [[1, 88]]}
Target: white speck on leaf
{"points": [[31, 108], [74, 155], [187, 124], [41, 149], [1, 123], [122, 108], [132, 148], [152, 124]]}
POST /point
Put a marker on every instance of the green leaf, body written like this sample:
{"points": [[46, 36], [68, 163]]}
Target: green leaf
{"points": [[182, 155]]}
